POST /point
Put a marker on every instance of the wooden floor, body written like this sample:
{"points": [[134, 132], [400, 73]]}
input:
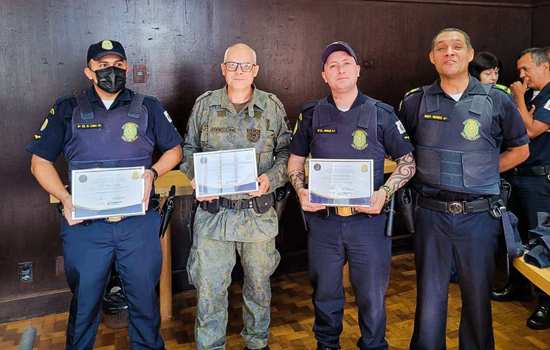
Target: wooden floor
{"points": [[293, 316]]}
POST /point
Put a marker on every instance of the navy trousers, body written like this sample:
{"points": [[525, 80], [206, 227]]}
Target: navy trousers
{"points": [[89, 250], [471, 240], [361, 242]]}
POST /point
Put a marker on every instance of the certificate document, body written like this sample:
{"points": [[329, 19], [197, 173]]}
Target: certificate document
{"points": [[103, 192], [225, 172], [341, 182]]}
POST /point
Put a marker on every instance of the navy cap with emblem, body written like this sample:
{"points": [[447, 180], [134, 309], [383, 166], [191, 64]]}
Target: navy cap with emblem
{"points": [[104, 48], [338, 46]]}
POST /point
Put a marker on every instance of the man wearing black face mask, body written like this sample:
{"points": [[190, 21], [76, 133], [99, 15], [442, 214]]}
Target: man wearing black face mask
{"points": [[108, 126]]}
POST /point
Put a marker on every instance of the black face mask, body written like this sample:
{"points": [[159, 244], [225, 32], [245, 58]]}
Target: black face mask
{"points": [[111, 79]]}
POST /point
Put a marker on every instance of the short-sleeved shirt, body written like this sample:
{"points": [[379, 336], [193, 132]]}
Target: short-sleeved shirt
{"points": [[507, 125], [539, 147], [56, 130], [389, 130]]}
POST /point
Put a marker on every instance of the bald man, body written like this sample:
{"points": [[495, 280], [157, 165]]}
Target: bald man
{"points": [[236, 116]]}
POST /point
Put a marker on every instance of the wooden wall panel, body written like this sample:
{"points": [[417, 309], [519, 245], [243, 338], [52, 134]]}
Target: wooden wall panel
{"points": [[42, 55], [541, 13]]}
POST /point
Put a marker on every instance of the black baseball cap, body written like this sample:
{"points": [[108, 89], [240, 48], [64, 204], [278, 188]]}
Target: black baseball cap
{"points": [[105, 47], [338, 46]]}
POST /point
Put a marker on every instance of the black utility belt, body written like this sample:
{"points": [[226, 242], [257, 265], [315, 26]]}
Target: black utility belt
{"points": [[259, 204], [109, 219], [458, 207], [539, 170]]}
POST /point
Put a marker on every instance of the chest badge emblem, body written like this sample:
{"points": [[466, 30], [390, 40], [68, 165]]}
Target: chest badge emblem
{"points": [[129, 132], [359, 139], [253, 135], [471, 129]]}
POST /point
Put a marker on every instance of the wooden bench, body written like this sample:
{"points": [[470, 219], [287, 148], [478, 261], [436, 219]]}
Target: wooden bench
{"points": [[539, 277]]}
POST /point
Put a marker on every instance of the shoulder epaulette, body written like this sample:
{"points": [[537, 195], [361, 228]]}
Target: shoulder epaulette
{"points": [[384, 106], [153, 98], [413, 91], [275, 99], [206, 94], [62, 99], [309, 105], [504, 88]]}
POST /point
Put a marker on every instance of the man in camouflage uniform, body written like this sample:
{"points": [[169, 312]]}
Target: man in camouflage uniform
{"points": [[236, 116]]}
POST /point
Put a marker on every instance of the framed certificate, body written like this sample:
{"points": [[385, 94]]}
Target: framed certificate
{"points": [[341, 182], [225, 172], [103, 192]]}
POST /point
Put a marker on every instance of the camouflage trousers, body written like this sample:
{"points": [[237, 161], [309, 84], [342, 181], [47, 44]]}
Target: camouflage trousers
{"points": [[209, 267]]}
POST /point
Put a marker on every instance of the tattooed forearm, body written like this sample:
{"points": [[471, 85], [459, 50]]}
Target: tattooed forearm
{"points": [[297, 177], [406, 167]]}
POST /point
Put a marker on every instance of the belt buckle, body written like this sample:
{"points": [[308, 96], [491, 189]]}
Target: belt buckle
{"points": [[112, 219], [344, 211], [455, 207]]}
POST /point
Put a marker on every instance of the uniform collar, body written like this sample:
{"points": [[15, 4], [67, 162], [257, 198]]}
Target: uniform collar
{"points": [[474, 88], [544, 93], [257, 99], [124, 96], [359, 100]]}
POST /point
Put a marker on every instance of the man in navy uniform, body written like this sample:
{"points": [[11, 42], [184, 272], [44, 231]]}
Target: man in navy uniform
{"points": [[531, 180], [349, 125], [108, 126], [457, 126]]}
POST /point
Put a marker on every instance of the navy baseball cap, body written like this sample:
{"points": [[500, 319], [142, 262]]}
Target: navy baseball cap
{"points": [[338, 46], [105, 47]]}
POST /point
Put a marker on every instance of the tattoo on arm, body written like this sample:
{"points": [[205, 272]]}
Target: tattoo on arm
{"points": [[406, 167], [297, 177]]}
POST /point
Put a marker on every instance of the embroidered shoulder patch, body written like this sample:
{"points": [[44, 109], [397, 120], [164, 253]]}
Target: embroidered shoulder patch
{"points": [[400, 127]]}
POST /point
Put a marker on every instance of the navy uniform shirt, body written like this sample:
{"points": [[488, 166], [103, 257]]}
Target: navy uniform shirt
{"points": [[539, 147], [389, 132], [56, 129], [507, 126]]}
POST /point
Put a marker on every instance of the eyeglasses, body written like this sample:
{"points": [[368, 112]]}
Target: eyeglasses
{"points": [[233, 66]]}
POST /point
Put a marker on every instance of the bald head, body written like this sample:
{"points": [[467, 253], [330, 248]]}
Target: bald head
{"points": [[240, 50]]}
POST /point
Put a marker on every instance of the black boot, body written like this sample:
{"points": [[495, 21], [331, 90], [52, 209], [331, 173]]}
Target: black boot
{"points": [[510, 293], [540, 319]]}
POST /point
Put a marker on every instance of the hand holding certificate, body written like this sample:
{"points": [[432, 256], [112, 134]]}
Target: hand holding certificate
{"points": [[103, 192], [225, 172], [340, 182]]}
